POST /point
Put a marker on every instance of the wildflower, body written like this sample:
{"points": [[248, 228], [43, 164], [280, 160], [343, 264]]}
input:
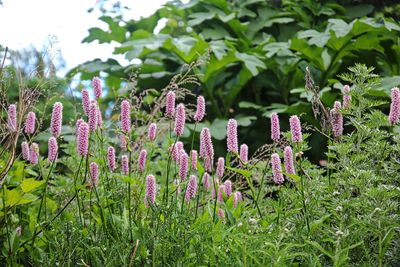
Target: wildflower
{"points": [[30, 123], [56, 119], [125, 164], [237, 196], [346, 97], [193, 157], [180, 117], [191, 188], [394, 114], [152, 131], [201, 109], [125, 116], [92, 121], [96, 83], [221, 191], [142, 160], [276, 169], [183, 164], [220, 167], [111, 158], [25, 150], [295, 128], [78, 122], [288, 160], [206, 146], [82, 139], [208, 164], [52, 149], [231, 132], [206, 181], [94, 174], [253, 221], [122, 142], [175, 150], [85, 101], [228, 188], [12, 118], [34, 154], [170, 105], [337, 120], [244, 151], [221, 213], [150, 190], [275, 128]]}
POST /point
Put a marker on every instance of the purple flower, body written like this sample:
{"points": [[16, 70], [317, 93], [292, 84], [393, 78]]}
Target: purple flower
{"points": [[191, 188], [206, 181], [231, 132], [275, 128], [96, 83], [94, 174], [52, 149], [221, 213], [220, 167], [208, 162], [150, 190], [56, 119], [337, 120], [142, 160], [34, 154], [228, 188], [12, 118], [193, 157], [30, 123], [152, 131], [82, 139], [85, 101], [346, 97], [206, 146], [175, 150], [201, 109], [394, 114], [78, 122], [125, 116], [93, 116], [221, 191], [25, 150], [183, 164], [170, 105], [244, 152], [180, 118], [295, 128], [122, 142], [276, 169], [237, 196], [288, 160], [125, 164], [111, 158]]}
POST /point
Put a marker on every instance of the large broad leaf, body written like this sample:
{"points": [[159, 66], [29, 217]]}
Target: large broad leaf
{"points": [[218, 129], [199, 17], [30, 184], [252, 62]]}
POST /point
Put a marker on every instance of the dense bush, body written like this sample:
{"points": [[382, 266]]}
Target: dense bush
{"points": [[78, 209]]}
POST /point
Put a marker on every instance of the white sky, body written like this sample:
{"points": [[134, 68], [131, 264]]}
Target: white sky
{"points": [[26, 22]]}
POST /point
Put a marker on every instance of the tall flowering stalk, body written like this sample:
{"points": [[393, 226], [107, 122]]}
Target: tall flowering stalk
{"points": [[85, 101], [228, 188], [346, 97], [180, 117], [123, 144], [94, 174], [220, 167], [244, 154], [97, 88], [82, 139], [337, 120], [201, 109], [34, 154], [191, 188], [193, 157], [276, 169], [111, 158], [56, 119], [150, 190], [142, 160], [288, 160], [52, 149], [275, 128], [295, 128], [237, 196], [30, 123], [170, 104], [175, 150], [394, 114], [125, 164], [232, 139], [221, 192], [206, 146], [125, 116], [93, 116], [12, 117], [25, 150], [152, 131], [206, 181], [183, 164]]}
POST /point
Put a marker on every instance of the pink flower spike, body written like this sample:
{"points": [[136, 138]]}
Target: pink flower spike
{"points": [[175, 150], [25, 150], [183, 164], [275, 128], [93, 116], [346, 97], [97, 88], [150, 190], [276, 169], [201, 109], [85, 101], [78, 122], [193, 157], [337, 120], [295, 128], [94, 174], [56, 119], [12, 118], [34, 154], [206, 181], [221, 191], [170, 105], [232, 139], [125, 116], [206, 146], [191, 188], [125, 164], [394, 114], [220, 167], [30, 123], [228, 188], [82, 139], [221, 214], [122, 142], [288, 160], [111, 158], [244, 154], [237, 196], [208, 162], [52, 149], [180, 118], [142, 160], [152, 131]]}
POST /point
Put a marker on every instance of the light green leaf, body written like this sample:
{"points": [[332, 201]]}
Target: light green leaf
{"points": [[30, 184], [251, 62]]}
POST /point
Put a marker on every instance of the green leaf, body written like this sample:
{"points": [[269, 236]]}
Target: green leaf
{"points": [[245, 120], [251, 62], [13, 197], [218, 129], [199, 17], [27, 198], [30, 184]]}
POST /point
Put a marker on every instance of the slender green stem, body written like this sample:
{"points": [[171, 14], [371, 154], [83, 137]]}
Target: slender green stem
{"points": [[5, 219], [304, 200], [168, 169], [129, 197]]}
